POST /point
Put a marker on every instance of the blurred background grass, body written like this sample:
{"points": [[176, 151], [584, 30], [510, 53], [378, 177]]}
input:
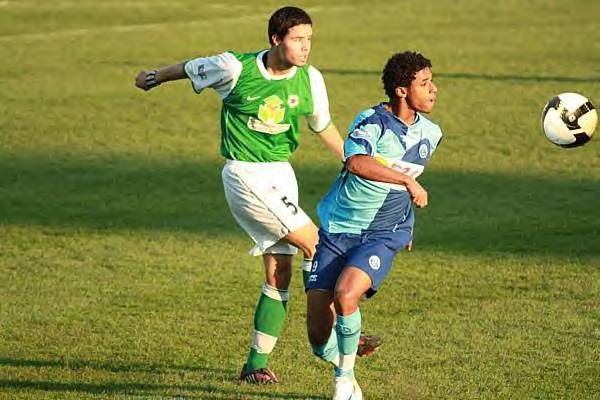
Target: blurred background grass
{"points": [[124, 275]]}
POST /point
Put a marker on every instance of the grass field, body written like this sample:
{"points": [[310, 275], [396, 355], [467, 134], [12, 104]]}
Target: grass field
{"points": [[123, 275]]}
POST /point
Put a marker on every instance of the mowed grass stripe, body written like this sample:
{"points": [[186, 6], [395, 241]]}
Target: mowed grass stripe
{"points": [[124, 276], [52, 35]]}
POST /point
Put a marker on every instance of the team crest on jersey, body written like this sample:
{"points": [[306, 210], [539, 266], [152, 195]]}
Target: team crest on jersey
{"points": [[270, 113], [374, 262], [293, 101], [423, 150]]}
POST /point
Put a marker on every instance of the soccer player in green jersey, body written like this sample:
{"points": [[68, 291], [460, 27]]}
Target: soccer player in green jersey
{"points": [[264, 94]]}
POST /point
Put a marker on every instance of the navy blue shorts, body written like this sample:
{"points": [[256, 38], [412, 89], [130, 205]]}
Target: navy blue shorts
{"points": [[372, 252]]}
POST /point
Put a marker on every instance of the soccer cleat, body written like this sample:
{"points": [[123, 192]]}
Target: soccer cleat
{"points": [[345, 388], [367, 344], [261, 376]]}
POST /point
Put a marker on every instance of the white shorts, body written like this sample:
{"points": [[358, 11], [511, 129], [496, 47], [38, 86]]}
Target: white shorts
{"points": [[263, 199]]}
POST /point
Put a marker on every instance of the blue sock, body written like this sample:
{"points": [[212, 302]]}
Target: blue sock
{"points": [[329, 351], [348, 333]]}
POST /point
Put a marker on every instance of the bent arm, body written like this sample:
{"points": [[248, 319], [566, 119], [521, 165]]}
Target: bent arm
{"points": [[146, 80], [333, 141], [368, 168]]}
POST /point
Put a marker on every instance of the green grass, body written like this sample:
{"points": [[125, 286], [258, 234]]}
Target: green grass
{"points": [[123, 275]]}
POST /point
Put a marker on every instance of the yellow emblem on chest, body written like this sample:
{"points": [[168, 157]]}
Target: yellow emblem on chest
{"points": [[272, 110]]}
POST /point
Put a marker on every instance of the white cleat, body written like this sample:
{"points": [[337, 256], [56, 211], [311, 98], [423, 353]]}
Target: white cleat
{"points": [[346, 389]]}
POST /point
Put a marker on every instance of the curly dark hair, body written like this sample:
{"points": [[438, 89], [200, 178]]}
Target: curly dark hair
{"points": [[284, 19], [400, 70]]}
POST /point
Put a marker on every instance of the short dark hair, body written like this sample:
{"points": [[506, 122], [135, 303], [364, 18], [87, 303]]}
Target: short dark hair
{"points": [[284, 19], [400, 70]]}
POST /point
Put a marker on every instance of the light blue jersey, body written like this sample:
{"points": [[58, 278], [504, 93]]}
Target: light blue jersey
{"points": [[356, 205]]}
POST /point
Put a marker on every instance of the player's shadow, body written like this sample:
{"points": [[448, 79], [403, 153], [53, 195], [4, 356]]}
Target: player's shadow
{"points": [[477, 76], [479, 212], [114, 366], [468, 212], [471, 212], [204, 389], [115, 194], [154, 390]]}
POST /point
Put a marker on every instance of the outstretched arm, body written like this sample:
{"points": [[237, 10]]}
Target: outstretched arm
{"points": [[333, 141], [368, 168], [146, 80]]}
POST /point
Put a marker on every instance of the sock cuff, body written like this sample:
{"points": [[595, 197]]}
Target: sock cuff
{"points": [[274, 293], [349, 323], [346, 367], [307, 264]]}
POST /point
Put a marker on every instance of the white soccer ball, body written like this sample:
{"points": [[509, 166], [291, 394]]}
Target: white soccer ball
{"points": [[569, 120]]}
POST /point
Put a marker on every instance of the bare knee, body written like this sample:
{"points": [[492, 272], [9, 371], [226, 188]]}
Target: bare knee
{"points": [[278, 270], [346, 300]]}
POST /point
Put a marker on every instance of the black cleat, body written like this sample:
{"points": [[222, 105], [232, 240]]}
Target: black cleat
{"points": [[261, 376]]}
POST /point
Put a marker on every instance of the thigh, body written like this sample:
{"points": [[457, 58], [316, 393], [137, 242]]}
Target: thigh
{"points": [[263, 204], [375, 256], [329, 260]]}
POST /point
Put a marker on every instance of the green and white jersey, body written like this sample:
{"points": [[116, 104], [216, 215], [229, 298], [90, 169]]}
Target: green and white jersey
{"points": [[260, 112]]}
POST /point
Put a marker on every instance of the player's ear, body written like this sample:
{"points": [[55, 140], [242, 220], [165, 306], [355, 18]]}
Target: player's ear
{"points": [[275, 39], [401, 92]]}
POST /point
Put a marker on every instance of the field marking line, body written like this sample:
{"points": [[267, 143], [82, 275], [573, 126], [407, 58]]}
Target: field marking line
{"points": [[123, 28], [156, 25]]}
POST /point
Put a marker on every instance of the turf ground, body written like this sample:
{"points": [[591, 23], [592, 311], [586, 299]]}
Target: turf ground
{"points": [[123, 275]]}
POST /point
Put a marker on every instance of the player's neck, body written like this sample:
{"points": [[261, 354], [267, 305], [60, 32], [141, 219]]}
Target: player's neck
{"points": [[274, 64], [402, 111]]}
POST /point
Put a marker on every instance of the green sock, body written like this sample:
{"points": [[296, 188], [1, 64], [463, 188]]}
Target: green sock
{"points": [[269, 317], [347, 329]]}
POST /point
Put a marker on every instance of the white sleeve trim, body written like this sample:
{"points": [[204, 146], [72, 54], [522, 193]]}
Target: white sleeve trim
{"points": [[220, 72], [320, 118]]}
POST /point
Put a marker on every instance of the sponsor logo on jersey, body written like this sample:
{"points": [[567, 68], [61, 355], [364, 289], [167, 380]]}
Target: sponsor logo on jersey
{"points": [[252, 98], [270, 113], [293, 101], [359, 133], [405, 167], [423, 150], [312, 278], [374, 262]]}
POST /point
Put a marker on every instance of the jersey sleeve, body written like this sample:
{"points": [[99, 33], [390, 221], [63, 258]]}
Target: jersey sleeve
{"points": [[320, 118], [435, 138], [363, 135], [219, 72]]}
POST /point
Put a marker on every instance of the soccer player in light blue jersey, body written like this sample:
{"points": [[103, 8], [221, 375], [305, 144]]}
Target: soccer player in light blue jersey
{"points": [[367, 216]]}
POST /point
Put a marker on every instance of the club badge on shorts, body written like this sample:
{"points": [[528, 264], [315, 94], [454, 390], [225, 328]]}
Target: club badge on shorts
{"points": [[374, 262]]}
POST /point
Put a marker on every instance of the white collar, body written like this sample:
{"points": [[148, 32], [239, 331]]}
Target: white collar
{"points": [[266, 74]]}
